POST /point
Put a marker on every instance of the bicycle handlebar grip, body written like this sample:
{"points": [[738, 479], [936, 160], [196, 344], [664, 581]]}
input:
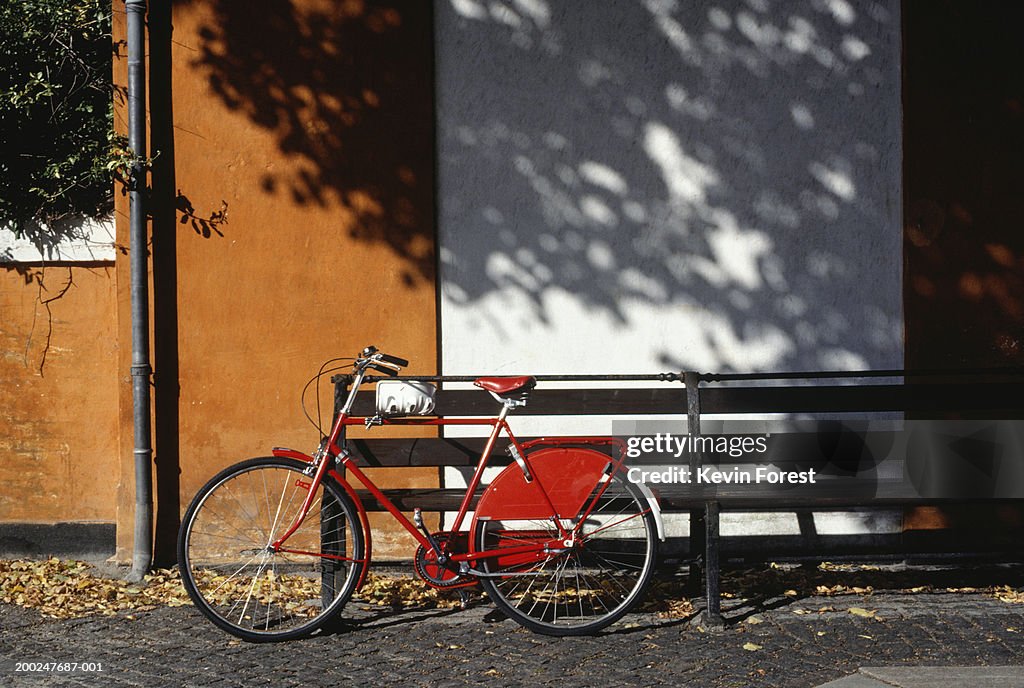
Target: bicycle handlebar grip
{"points": [[390, 372], [394, 360]]}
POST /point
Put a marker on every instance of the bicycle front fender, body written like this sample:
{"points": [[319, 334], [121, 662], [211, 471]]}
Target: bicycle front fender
{"points": [[364, 518]]}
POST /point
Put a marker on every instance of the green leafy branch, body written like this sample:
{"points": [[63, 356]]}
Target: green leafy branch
{"points": [[56, 111]]}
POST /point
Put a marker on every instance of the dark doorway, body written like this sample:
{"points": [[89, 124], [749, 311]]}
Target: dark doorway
{"points": [[963, 93]]}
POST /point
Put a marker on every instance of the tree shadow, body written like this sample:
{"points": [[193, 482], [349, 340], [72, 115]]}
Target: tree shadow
{"points": [[346, 90], [729, 170]]}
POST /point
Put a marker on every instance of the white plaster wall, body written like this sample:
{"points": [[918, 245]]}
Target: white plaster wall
{"points": [[648, 185], [77, 240]]}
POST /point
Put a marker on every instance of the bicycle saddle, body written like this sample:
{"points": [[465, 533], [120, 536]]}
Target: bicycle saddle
{"points": [[506, 385]]}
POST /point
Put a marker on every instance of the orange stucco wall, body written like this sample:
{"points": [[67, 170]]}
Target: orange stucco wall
{"points": [[292, 223], [58, 393]]}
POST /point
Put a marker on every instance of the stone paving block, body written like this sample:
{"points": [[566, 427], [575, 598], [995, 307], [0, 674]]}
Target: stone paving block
{"points": [[932, 676], [178, 647], [855, 681]]}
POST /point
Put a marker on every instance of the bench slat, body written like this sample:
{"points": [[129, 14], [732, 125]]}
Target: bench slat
{"points": [[738, 499], [938, 398], [552, 402]]}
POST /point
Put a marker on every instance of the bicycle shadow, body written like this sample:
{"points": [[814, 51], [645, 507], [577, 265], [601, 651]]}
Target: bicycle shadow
{"points": [[481, 610], [754, 591], [388, 617]]}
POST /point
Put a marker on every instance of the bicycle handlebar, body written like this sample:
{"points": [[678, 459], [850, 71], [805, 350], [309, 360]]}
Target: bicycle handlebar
{"points": [[394, 360], [391, 372], [372, 359]]}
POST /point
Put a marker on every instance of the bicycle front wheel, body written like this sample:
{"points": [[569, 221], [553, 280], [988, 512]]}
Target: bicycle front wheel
{"points": [[589, 583], [231, 570]]}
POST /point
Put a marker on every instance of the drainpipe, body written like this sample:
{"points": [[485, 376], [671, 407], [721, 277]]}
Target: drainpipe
{"points": [[142, 551]]}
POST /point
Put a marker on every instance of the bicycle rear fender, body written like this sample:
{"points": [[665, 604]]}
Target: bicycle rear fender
{"points": [[567, 474], [363, 517], [655, 508]]}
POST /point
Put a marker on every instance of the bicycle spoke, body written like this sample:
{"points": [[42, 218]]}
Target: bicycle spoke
{"points": [[242, 584], [582, 587], [243, 536]]}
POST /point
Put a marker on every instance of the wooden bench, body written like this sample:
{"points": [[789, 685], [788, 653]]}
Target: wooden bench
{"points": [[693, 396]]}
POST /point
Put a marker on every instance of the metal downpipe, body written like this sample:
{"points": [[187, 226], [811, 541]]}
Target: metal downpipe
{"points": [[141, 371]]}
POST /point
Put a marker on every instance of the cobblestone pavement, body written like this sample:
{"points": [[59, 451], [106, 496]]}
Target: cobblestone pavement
{"points": [[786, 643]]}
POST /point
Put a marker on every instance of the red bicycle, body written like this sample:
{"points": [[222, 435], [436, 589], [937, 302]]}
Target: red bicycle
{"points": [[271, 548]]}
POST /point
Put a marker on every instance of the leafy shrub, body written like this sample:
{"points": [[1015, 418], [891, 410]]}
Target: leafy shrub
{"points": [[56, 114]]}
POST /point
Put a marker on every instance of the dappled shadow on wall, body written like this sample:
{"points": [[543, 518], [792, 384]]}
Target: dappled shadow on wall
{"points": [[720, 179], [346, 89]]}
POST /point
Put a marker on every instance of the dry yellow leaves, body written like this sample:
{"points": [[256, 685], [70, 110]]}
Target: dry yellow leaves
{"points": [[66, 589], [843, 590], [70, 589], [1009, 595], [406, 591], [668, 598], [846, 568], [751, 647], [865, 613], [675, 609]]}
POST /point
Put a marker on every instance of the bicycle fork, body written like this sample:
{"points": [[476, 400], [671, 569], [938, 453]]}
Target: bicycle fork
{"points": [[320, 466]]}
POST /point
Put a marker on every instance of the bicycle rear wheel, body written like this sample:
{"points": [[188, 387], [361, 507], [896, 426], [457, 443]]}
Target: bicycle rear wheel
{"points": [[235, 577], [582, 588]]}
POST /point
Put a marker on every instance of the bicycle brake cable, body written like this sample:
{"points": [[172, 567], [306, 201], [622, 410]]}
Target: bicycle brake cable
{"points": [[318, 423]]}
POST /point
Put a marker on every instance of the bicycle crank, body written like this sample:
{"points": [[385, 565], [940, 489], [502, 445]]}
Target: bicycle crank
{"points": [[443, 573]]}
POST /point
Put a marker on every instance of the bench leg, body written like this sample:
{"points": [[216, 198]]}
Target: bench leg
{"points": [[331, 542], [697, 547], [712, 583]]}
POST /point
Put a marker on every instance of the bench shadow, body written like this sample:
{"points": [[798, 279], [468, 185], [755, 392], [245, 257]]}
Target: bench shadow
{"points": [[748, 593]]}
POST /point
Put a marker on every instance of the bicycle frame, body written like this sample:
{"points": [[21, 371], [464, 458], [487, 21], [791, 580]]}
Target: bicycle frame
{"points": [[559, 539], [332, 451]]}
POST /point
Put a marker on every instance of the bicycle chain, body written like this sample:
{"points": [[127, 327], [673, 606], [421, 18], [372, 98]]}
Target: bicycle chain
{"points": [[420, 563]]}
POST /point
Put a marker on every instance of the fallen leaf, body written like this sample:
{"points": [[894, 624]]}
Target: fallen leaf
{"points": [[751, 647], [865, 613], [1009, 595]]}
